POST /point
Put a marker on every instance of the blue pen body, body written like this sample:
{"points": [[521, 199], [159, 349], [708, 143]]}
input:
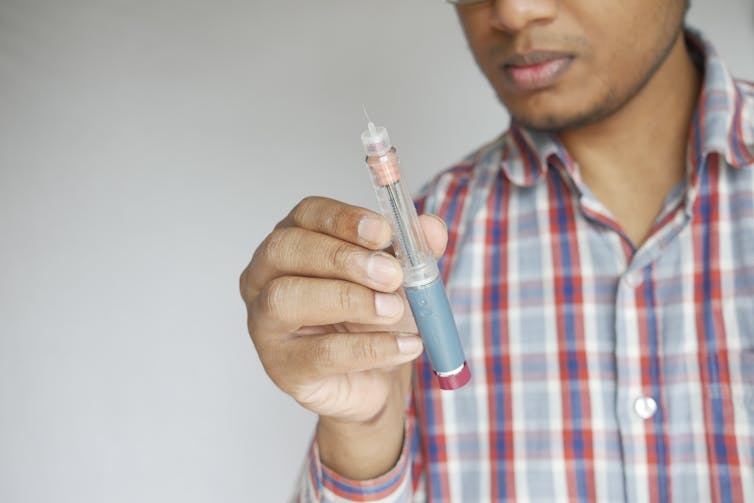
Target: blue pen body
{"points": [[431, 310]]}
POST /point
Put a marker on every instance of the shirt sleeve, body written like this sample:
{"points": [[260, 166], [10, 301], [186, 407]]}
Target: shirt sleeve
{"points": [[318, 483]]}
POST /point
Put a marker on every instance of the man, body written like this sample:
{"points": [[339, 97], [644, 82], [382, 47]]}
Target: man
{"points": [[599, 257]]}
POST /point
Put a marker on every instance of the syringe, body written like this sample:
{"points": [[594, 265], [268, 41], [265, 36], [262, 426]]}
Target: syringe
{"points": [[421, 276]]}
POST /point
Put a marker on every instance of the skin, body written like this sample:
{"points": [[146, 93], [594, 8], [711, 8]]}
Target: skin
{"points": [[630, 82], [333, 329]]}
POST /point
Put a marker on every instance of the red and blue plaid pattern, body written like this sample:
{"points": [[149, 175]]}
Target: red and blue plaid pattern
{"points": [[566, 326]]}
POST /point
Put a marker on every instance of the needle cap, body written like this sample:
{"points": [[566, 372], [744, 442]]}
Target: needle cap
{"points": [[375, 140]]}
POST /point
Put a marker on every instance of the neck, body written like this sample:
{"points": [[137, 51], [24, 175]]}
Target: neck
{"points": [[639, 152]]}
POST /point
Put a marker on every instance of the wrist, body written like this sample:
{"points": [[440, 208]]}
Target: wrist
{"points": [[363, 450]]}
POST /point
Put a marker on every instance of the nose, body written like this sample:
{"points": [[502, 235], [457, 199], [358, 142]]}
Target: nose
{"points": [[516, 15]]}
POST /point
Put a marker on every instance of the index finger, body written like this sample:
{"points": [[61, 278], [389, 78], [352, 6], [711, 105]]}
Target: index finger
{"points": [[344, 221]]}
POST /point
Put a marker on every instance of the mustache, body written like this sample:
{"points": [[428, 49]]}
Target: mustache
{"points": [[534, 58], [532, 48]]}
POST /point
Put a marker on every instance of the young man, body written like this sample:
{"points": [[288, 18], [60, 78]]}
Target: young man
{"points": [[599, 257]]}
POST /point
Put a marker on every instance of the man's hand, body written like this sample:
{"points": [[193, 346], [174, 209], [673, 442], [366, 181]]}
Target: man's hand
{"points": [[332, 328]]}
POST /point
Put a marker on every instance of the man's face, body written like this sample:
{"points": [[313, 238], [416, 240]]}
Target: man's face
{"points": [[562, 64]]}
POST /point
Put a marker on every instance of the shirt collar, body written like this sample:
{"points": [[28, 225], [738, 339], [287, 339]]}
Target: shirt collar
{"points": [[526, 154], [723, 123]]}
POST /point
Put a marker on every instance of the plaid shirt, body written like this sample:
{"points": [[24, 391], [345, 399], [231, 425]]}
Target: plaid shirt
{"points": [[601, 372]]}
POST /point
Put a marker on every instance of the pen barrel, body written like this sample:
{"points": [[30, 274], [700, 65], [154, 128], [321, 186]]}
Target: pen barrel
{"points": [[431, 310], [410, 245], [421, 277]]}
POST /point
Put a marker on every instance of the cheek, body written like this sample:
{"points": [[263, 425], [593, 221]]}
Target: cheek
{"points": [[625, 43]]}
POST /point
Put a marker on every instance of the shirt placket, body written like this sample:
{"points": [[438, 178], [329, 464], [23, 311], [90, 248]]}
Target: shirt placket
{"points": [[638, 357]]}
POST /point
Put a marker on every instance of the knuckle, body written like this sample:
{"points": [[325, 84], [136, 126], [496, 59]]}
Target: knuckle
{"points": [[326, 215], [273, 297], [333, 223], [365, 350], [277, 251], [324, 353], [301, 211], [340, 256], [343, 222], [275, 245], [246, 284], [242, 283], [344, 298]]}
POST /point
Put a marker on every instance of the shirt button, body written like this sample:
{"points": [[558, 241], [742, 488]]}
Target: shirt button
{"points": [[633, 279], [645, 407]]}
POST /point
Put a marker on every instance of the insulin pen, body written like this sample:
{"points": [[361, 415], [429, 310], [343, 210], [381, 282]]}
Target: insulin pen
{"points": [[421, 276]]}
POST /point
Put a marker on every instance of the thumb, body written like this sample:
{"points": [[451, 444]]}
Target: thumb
{"points": [[436, 232]]}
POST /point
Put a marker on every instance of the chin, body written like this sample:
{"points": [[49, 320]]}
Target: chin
{"points": [[547, 124], [540, 113], [546, 121], [562, 108], [552, 120]]}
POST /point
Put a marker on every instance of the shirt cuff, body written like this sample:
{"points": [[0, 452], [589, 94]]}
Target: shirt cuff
{"points": [[331, 486]]}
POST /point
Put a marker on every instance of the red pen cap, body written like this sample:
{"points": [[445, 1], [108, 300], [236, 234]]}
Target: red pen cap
{"points": [[457, 380]]}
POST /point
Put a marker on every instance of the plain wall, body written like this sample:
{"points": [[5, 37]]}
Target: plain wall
{"points": [[146, 148]]}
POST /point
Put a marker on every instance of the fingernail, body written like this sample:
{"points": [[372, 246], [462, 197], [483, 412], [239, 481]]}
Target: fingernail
{"points": [[371, 229], [382, 268], [388, 305], [409, 344]]}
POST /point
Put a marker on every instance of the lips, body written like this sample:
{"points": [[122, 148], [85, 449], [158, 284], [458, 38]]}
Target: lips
{"points": [[535, 70]]}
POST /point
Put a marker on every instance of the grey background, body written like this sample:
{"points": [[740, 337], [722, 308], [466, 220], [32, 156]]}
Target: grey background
{"points": [[146, 148]]}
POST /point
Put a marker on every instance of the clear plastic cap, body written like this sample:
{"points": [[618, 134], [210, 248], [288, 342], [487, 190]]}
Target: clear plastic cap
{"points": [[375, 140]]}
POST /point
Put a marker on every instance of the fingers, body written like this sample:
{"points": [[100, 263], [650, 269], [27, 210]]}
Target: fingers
{"points": [[288, 303], [436, 233], [322, 265], [317, 356], [339, 220], [334, 354], [293, 251], [325, 306], [406, 324]]}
